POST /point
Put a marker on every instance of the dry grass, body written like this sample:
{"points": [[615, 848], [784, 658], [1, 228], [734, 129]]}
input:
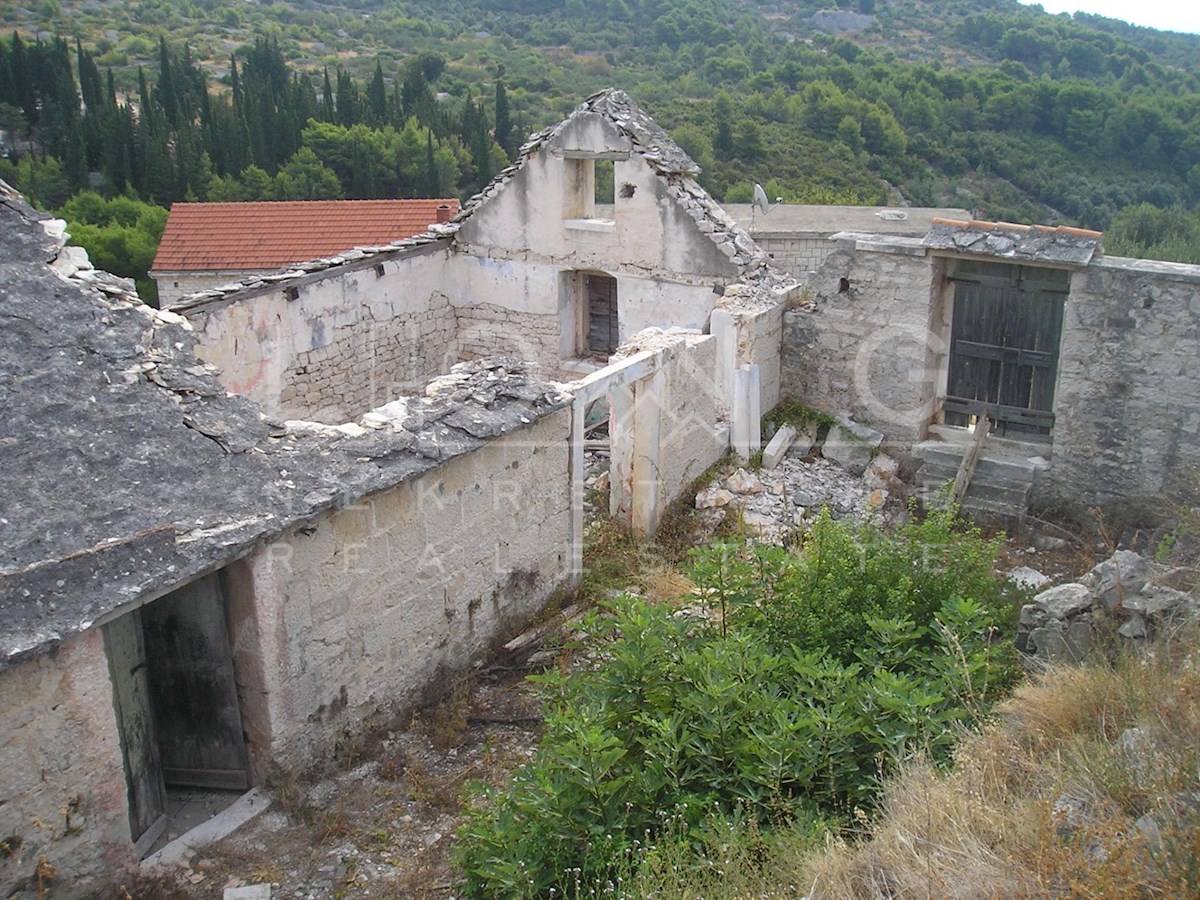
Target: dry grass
{"points": [[989, 827], [1053, 800]]}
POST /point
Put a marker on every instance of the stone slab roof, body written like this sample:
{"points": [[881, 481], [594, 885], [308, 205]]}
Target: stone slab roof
{"points": [[225, 237], [1035, 243], [126, 470]]}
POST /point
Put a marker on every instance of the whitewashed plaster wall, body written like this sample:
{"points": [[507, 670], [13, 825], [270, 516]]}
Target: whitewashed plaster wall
{"points": [[357, 620], [62, 782], [532, 234], [351, 338]]}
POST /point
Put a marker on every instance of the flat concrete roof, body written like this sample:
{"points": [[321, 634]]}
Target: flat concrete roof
{"points": [[797, 219]]}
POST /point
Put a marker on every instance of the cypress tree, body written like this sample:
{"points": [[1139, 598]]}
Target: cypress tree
{"points": [[327, 108], [503, 120], [377, 97]]}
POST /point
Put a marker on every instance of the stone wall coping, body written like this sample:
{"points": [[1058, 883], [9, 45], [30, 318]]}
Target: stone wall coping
{"points": [[1173, 271]]}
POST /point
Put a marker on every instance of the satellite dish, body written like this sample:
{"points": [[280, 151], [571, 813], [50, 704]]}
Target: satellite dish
{"points": [[760, 199]]}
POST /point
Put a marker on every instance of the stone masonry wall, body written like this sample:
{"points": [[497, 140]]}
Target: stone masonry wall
{"points": [[335, 344], [797, 255], [174, 287], [364, 616], [62, 782], [370, 361], [867, 342], [1127, 406], [489, 329]]}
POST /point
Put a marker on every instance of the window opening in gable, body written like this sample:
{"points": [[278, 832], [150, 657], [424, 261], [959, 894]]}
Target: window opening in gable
{"points": [[604, 183]]}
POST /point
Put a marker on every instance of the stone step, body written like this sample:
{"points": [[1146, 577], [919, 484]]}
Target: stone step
{"points": [[949, 435], [1016, 495], [1009, 515], [991, 465], [992, 479]]}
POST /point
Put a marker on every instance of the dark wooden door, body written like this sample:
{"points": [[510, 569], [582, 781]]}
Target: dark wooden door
{"points": [[139, 739], [194, 693], [603, 332], [1005, 334]]}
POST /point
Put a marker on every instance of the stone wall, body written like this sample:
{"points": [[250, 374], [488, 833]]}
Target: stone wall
{"points": [[1127, 406], [363, 615], [868, 342], [796, 254], [175, 286], [695, 428], [62, 783], [873, 342], [370, 361], [332, 345]]}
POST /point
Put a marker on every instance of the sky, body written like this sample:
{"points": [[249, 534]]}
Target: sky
{"points": [[1168, 15]]}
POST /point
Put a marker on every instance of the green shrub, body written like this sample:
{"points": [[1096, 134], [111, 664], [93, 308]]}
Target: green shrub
{"points": [[775, 706]]}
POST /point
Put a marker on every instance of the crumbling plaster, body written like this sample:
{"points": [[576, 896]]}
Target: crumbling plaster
{"points": [[329, 348], [360, 613], [62, 784]]}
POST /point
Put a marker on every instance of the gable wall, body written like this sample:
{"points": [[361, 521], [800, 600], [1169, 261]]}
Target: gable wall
{"points": [[524, 246]]}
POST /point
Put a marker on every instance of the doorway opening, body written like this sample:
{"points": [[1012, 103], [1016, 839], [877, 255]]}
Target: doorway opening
{"points": [[1006, 328], [176, 699], [599, 332]]}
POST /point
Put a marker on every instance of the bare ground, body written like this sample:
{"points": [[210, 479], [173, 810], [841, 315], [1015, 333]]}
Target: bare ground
{"points": [[383, 826]]}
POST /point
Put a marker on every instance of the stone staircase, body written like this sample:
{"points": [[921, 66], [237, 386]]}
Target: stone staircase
{"points": [[1004, 475]]}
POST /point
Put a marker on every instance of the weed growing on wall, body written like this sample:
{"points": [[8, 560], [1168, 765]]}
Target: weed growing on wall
{"points": [[779, 696]]}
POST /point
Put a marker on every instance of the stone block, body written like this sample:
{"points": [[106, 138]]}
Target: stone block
{"points": [[778, 447], [851, 445], [1118, 578], [248, 892], [1063, 601]]}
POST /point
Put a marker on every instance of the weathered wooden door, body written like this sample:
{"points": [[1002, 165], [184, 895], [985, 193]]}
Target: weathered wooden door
{"points": [[1005, 334], [193, 690], [139, 739], [603, 332]]}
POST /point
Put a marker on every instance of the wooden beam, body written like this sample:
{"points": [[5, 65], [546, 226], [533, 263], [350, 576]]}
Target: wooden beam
{"points": [[966, 469]]}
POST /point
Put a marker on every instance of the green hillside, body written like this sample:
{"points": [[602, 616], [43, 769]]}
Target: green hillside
{"points": [[994, 106]]}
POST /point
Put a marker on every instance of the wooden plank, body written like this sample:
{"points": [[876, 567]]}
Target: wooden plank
{"points": [[999, 412], [125, 648], [966, 468]]}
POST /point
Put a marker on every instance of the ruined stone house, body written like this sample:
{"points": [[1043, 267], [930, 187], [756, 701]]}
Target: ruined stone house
{"points": [[212, 572], [300, 499]]}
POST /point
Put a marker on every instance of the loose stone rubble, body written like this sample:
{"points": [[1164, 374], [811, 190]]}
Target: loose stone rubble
{"points": [[775, 504], [1061, 623]]}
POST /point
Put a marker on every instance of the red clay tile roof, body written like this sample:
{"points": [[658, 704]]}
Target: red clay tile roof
{"points": [[270, 235]]}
